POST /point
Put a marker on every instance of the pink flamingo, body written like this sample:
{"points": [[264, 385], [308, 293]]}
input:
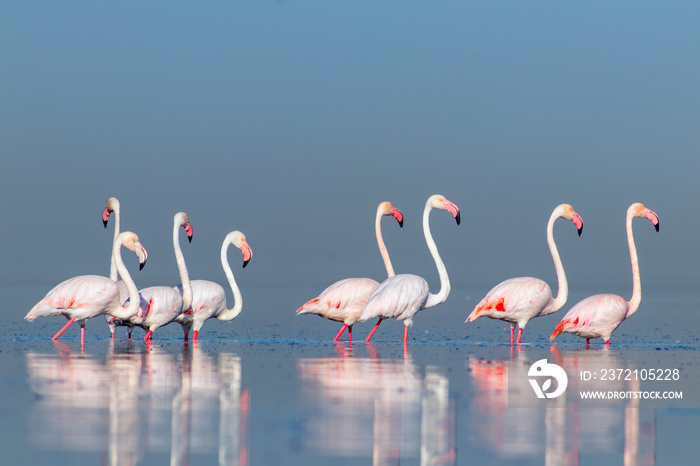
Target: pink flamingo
{"points": [[113, 322], [402, 296], [344, 300], [160, 305], [517, 300], [80, 298], [599, 315], [209, 298]]}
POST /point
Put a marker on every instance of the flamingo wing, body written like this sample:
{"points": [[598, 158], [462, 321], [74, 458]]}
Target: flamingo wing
{"points": [[399, 297], [343, 301], [159, 306]]}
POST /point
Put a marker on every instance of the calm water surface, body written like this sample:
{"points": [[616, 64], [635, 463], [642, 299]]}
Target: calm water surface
{"points": [[269, 388]]}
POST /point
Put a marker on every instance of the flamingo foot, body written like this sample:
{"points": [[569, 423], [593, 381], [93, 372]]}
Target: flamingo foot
{"points": [[342, 329], [148, 335], [373, 330], [194, 335], [70, 322]]}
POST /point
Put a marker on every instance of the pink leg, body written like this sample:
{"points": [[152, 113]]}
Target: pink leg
{"points": [[588, 341], [187, 334], [70, 322], [374, 329], [520, 334], [148, 335], [350, 332], [607, 342], [405, 334], [512, 333], [82, 334], [194, 335], [342, 329]]}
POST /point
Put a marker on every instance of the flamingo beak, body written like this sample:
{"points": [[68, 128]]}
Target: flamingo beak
{"points": [[453, 209], [398, 216], [247, 253], [189, 231], [653, 218], [141, 254], [578, 222], [105, 216]]}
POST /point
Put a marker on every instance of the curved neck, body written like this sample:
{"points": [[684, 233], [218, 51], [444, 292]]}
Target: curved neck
{"points": [[184, 276], [113, 273], [380, 242], [441, 296], [562, 285], [229, 314], [130, 310], [636, 280]]}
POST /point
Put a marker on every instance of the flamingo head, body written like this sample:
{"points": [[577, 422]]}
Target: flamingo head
{"points": [[112, 205], [182, 220], [568, 212], [438, 201], [638, 210], [386, 208], [238, 239], [131, 242]]}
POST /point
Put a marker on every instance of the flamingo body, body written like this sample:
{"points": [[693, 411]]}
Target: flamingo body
{"points": [[158, 306], [399, 297], [593, 317]]}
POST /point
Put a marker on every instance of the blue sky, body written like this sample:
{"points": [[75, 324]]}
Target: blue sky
{"points": [[292, 120]]}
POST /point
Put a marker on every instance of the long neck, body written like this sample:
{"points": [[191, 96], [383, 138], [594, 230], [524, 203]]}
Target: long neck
{"points": [[113, 273], [382, 248], [636, 280], [441, 296], [182, 267], [229, 314], [130, 310], [562, 285]]}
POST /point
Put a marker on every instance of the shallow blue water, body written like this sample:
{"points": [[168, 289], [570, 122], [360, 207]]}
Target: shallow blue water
{"points": [[270, 388]]}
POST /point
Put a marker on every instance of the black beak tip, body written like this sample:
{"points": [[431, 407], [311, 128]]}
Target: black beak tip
{"points": [[580, 230], [657, 226], [104, 222], [401, 223], [189, 238], [142, 265], [458, 218], [245, 263]]}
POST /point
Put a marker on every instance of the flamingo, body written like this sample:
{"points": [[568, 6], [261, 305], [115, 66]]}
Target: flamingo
{"points": [[344, 300], [403, 295], [113, 207], [160, 305], [80, 298], [209, 298], [599, 315], [517, 300]]}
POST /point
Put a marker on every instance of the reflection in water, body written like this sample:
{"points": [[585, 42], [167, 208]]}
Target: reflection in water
{"points": [[564, 429], [389, 404], [141, 401]]}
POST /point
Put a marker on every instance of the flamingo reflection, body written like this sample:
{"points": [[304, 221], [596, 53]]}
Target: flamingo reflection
{"points": [[142, 399], [389, 404]]}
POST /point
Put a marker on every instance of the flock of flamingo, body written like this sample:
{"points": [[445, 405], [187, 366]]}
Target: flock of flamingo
{"points": [[352, 300]]}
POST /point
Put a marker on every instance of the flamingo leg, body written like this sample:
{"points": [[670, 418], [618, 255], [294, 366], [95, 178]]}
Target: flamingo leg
{"points": [[130, 329], [148, 335], [350, 332], [82, 333], [373, 330], [607, 342], [342, 329], [588, 341], [405, 335], [194, 335], [520, 333], [512, 333], [70, 322], [187, 334]]}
